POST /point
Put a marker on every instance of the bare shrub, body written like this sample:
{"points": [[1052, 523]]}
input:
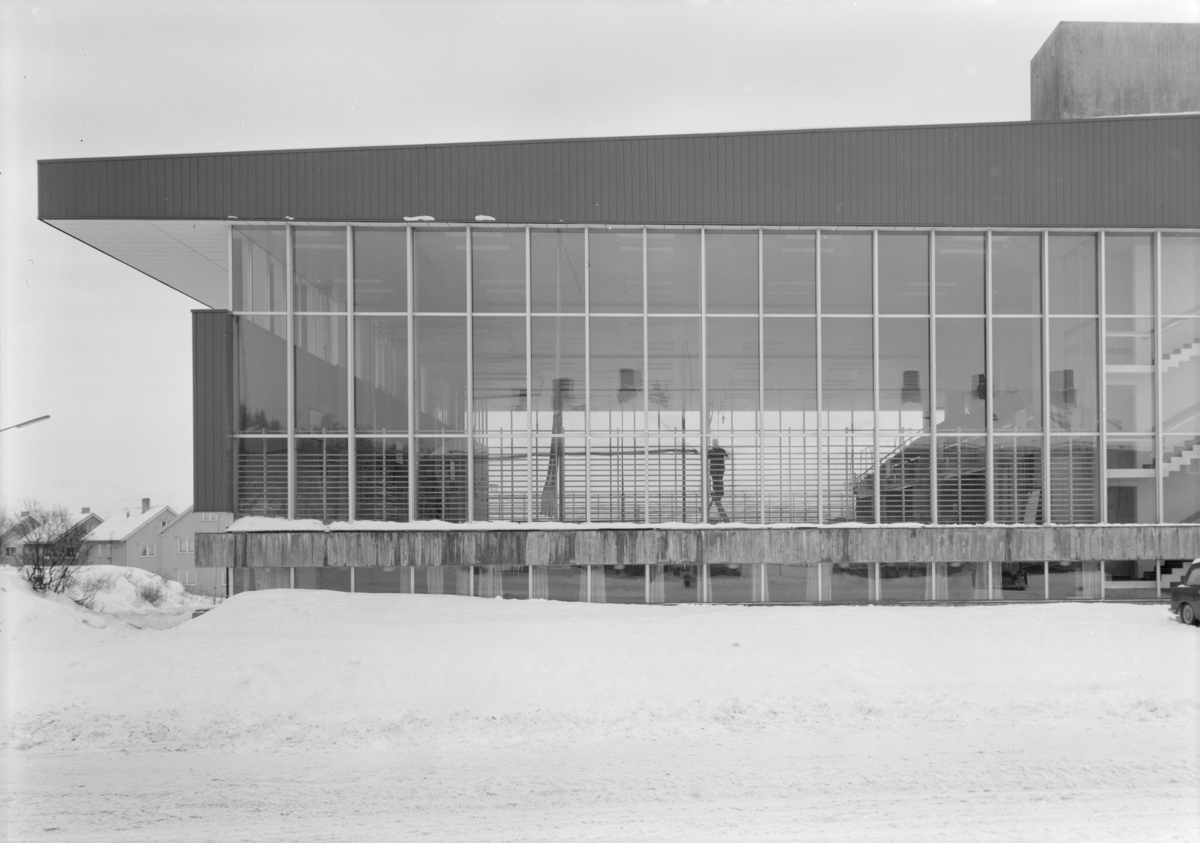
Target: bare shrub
{"points": [[52, 545], [85, 591], [150, 592]]}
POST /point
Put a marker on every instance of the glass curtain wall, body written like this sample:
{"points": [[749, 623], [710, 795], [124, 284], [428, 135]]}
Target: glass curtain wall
{"points": [[681, 375]]}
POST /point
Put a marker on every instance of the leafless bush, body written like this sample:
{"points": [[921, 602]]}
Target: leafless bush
{"points": [[85, 590], [52, 545], [150, 592]]}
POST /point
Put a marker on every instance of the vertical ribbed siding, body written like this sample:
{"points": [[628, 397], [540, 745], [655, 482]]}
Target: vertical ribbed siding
{"points": [[212, 409], [1119, 172]]}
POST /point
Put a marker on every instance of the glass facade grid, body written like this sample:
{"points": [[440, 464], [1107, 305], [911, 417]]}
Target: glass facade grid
{"points": [[631, 353]]}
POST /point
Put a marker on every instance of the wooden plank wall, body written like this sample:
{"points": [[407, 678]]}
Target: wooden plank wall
{"points": [[797, 546]]}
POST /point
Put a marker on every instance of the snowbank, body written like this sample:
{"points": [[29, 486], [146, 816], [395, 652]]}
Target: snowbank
{"points": [[115, 589]]}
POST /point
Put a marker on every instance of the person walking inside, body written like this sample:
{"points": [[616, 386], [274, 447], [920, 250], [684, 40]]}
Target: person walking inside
{"points": [[716, 480]]}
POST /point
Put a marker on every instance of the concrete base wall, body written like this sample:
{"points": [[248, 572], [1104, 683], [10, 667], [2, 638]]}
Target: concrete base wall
{"points": [[1109, 69], [799, 545]]}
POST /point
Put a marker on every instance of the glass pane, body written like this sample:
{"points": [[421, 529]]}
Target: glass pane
{"points": [[904, 582], [674, 382], [326, 579], [321, 373], [733, 486], [615, 264], [262, 477], [618, 583], [382, 580], [1181, 274], [260, 269], [733, 373], [381, 270], [1130, 454], [616, 376], [904, 375], [848, 397], [789, 272], [674, 583], [558, 373], [259, 579], [962, 480], [1130, 405], [1131, 500], [381, 479], [440, 267], [959, 273], [846, 273], [1181, 479], [556, 264], [791, 583], [904, 273], [961, 384], [1075, 580], [1073, 375], [731, 271], [441, 373], [1181, 375], [904, 480], [1016, 273], [1017, 480], [1128, 273], [260, 343], [1074, 480], [381, 374], [508, 581], [502, 479], [323, 479], [789, 480], [1072, 279], [618, 477], [559, 479], [674, 472], [554, 582], [1017, 374], [961, 580], [848, 479], [442, 479], [500, 391], [1019, 580], [849, 582], [735, 583], [790, 374], [498, 270], [442, 579], [673, 271], [320, 269], [1132, 579]]}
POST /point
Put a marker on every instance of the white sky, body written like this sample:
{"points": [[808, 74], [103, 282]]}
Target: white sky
{"points": [[107, 351]]}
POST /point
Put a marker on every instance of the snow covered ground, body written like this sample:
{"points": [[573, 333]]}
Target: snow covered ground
{"points": [[324, 716]]}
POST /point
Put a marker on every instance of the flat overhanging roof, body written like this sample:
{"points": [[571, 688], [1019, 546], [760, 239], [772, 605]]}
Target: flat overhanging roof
{"points": [[168, 216]]}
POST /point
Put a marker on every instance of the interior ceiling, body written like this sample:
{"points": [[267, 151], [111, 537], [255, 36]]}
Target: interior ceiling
{"points": [[191, 256]]}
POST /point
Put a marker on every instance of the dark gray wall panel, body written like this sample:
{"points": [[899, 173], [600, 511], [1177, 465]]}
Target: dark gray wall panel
{"points": [[212, 409], [1124, 172]]}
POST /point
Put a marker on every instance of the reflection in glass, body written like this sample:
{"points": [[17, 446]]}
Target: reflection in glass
{"points": [[1075, 580], [1019, 580], [615, 270], [850, 582], [618, 583], [1181, 479], [673, 385], [732, 345], [259, 269], [381, 374], [261, 349], [327, 579], [735, 583], [1131, 488], [1072, 273], [959, 273], [1016, 273], [381, 270], [789, 272], [790, 374], [618, 478], [846, 273], [961, 580], [502, 478], [1128, 274], [904, 375], [559, 582], [442, 579], [904, 480], [440, 267], [1181, 376], [1017, 374], [442, 486], [674, 583], [962, 479], [673, 271], [323, 479], [616, 378], [731, 271], [262, 477], [904, 273], [1130, 579], [320, 269], [1180, 274], [848, 393], [498, 270], [259, 579], [905, 582], [961, 382], [381, 479], [557, 352], [791, 583], [1074, 390], [733, 481], [382, 580], [789, 479], [559, 478], [1074, 480], [500, 390], [508, 581], [556, 270], [1017, 480], [848, 478], [319, 344], [441, 373]]}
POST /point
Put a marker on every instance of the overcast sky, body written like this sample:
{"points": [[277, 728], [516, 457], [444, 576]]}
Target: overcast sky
{"points": [[107, 351]]}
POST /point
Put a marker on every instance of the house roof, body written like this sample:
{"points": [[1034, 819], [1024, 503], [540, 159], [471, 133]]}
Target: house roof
{"points": [[119, 529], [177, 518]]}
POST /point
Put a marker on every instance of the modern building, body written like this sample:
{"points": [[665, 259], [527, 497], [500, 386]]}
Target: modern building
{"points": [[133, 541], [922, 362]]}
